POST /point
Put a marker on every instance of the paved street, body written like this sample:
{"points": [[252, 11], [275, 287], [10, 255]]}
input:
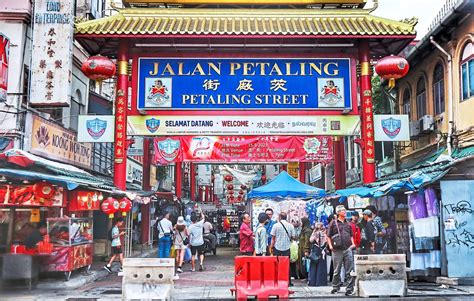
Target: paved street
{"points": [[212, 284]]}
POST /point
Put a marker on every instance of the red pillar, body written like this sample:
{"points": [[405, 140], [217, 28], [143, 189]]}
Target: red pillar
{"points": [[339, 163], [302, 170], [120, 152], [145, 208], [367, 115], [192, 182], [178, 178]]}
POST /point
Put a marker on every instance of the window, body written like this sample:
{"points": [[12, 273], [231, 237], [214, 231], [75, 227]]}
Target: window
{"points": [[26, 80], [76, 110], [406, 102], [102, 158], [438, 89], [467, 72], [420, 98]]}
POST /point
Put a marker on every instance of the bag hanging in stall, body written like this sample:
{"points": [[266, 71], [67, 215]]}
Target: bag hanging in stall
{"points": [[294, 251]]}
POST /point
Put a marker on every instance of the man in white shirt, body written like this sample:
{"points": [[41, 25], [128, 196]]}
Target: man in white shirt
{"points": [[165, 230], [196, 241], [282, 234]]}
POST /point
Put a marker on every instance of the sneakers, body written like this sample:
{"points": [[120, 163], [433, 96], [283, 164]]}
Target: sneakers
{"points": [[107, 268], [120, 269], [349, 293], [192, 270], [201, 268], [335, 291], [175, 277], [179, 270]]}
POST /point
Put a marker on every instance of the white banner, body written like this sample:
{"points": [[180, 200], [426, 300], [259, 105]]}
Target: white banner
{"points": [[315, 173], [96, 128], [159, 125], [51, 66], [136, 148], [204, 174], [219, 184], [391, 128]]}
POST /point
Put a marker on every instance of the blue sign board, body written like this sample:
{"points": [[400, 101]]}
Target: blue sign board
{"points": [[243, 84]]}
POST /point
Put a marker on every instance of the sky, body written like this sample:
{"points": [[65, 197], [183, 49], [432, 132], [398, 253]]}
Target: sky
{"points": [[425, 10]]}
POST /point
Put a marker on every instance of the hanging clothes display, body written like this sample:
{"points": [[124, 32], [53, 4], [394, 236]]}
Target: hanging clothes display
{"points": [[431, 202], [318, 211]]}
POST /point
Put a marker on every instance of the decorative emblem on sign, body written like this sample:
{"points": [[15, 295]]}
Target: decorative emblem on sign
{"points": [[331, 93], [169, 149], [391, 126], [158, 94], [42, 136], [367, 93], [312, 145], [96, 128], [152, 124]]}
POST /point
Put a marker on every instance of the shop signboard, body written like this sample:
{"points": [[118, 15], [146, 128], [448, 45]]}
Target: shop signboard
{"points": [[52, 141], [136, 148], [96, 128], [51, 66], [244, 83], [4, 58], [134, 172], [391, 128], [153, 179], [315, 173], [242, 149], [458, 216], [40, 194], [154, 125], [293, 169], [84, 200]]}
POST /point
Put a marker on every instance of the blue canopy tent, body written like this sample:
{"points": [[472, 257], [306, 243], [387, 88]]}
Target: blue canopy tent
{"points": [[285, 185]]}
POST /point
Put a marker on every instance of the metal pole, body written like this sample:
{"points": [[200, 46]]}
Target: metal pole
{"points": [[367, 115]]}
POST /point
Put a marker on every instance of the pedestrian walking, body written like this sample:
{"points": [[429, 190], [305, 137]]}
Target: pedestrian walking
{"points": [[269, 226], [355, 225], [304, 247], [282, 235], [181, 241], [165, 231], [261, 237], [318, 275], [116, 244], [341, 242], [380, 243], [368, 234], [196, 241], [207, 228], [246, 236]]}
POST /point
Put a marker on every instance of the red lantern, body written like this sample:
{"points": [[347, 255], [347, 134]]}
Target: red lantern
{"points": [[241, 192], [239, 198], [230, 192], [230, 187], [43, 190], [232, 198], [392, 67], [98, 68], [264, 179], [124, 206], [243, 187], [110, 206], [228, 178]]}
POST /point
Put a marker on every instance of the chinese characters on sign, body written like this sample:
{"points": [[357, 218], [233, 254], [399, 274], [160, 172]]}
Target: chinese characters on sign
{"points": [[120, 127], [243, 149], [4, 57], [368, 124], [244, 83], [52, 53]]}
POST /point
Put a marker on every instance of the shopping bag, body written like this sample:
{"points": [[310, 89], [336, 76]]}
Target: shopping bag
{"points": [[294, 251], [187, 254], [172, 252]]}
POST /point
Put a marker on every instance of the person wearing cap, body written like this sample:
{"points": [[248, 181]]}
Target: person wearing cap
{"points": [[367, 245], [355, 225], [180, 237], [341, 242], [261, 238]]}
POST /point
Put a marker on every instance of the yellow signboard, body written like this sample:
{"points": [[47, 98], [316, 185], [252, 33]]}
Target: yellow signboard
{"points": [[294, 169], [52, 141]]}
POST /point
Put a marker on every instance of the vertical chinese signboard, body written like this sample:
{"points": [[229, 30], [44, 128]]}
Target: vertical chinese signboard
{"points": [[120, 129], [52, 53], [4, 56]]}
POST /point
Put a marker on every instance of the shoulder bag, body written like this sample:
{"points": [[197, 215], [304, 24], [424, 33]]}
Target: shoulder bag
{"points": [[316, 251], [164, 234], [337, 238], [185, 241]]}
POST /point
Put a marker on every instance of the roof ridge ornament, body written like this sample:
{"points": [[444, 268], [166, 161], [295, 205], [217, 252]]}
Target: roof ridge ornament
{"points": [[375, 4], [410, 21]]}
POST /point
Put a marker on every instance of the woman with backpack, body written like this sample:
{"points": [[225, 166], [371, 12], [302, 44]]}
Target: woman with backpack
{"points": [[181, 242]]}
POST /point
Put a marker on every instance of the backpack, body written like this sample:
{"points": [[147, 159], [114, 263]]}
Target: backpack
{"points": [[109, 235]]}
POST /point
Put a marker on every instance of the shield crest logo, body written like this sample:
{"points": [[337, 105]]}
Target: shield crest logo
{"points": [[152, 124], [391, 126], [169, 149], [96, 127]]}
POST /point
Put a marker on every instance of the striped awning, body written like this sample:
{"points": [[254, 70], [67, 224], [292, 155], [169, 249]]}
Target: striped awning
{"points": [[245, 22]]}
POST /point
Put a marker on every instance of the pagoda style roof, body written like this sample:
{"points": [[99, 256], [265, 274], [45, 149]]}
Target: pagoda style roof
{"points": [[232, 22], [280, 26]]}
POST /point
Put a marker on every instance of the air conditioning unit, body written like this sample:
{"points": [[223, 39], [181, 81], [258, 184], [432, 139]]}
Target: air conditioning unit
{"points": [[414, 129], [427, 124]]}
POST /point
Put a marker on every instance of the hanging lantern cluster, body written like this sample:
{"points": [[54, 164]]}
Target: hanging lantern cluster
{"points": [[98, 68], [392, 67], [228, 178], [110, 206], [124, 206]]}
